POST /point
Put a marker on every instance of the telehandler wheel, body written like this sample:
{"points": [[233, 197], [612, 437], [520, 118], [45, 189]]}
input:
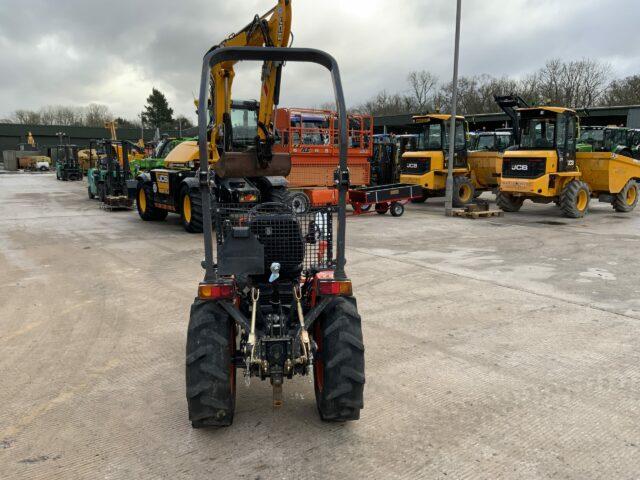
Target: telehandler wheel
{"points": [[338, 367], [90, 193], [508, 203], [210, 370], [574, 199], [463, 191], [627, 199], [191, 209], [144, 204]]}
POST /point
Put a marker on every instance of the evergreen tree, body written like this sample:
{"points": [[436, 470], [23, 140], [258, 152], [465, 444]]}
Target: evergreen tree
{"points": [[157, 112]]}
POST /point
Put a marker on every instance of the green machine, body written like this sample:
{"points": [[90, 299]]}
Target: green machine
{"points": [[618, 140], [156, 160], [110, 179], [67, 164]]}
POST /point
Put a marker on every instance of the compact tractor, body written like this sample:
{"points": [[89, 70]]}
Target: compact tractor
{"points": [[544, 166], [276, 302], [67, 164], [109, 178]]}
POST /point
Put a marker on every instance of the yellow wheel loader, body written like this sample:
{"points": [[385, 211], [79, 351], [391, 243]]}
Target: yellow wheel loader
{"points": [[544, 166]]}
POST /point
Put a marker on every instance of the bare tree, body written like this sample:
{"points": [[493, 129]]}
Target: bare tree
{"points": [[423, 86], [96, 115], [573, 84], [624, 92]]}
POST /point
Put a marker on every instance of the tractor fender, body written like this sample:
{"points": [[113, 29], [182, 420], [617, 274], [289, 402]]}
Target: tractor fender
{"points": [[321, 306]]}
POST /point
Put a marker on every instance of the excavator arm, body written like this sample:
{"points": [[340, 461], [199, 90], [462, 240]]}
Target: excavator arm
{"points": [[273, 29]]}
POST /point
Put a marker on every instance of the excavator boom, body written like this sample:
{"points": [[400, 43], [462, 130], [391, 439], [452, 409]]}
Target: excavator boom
{"points": [[273, 29]]}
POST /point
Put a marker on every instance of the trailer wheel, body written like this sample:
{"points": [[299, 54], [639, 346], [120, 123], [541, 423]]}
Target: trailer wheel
{"points": [[397, 209], [191, 209], [338, 367], [210, 371], [382, 208], [298, 201], [144, 203], [627, 199], [574, 199], [463, 191], [508, 203]]}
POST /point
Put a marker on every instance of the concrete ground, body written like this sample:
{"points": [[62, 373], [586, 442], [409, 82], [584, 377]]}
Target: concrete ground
{"points": [[499, 348]]}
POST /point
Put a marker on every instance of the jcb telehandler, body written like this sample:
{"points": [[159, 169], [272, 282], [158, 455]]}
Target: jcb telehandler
{"points": [[235, 125], [544, 166], [276, 302]]}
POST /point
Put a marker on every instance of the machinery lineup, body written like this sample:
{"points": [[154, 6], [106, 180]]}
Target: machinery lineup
{"points": [[273, 183]]}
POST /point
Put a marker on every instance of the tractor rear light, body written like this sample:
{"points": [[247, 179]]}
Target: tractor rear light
{"points": [[216, 291], [335, 287], [248, 198]]}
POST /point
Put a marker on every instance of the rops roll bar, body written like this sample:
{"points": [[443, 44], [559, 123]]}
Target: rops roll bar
{"points": [[270, 54]]}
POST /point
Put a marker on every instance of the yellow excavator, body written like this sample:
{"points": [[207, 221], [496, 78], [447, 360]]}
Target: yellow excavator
{"points": [[243, 130]]}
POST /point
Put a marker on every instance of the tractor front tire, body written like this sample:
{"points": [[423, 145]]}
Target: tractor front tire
{"points": [[627, 199], [508, 203], [338, 367], [210, 371], [144, 204], [191, 209], [463, 191], [574, 199]]}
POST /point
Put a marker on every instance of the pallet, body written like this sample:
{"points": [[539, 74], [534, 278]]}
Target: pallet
{"points": [[477, 213], [117, 203]]}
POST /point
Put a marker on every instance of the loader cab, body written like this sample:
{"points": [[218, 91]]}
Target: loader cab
{"points": [[432, 146], [547, 143], [493, 141]]}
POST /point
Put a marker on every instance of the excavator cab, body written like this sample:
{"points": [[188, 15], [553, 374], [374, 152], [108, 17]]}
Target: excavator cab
{"points": [[276, 302]]}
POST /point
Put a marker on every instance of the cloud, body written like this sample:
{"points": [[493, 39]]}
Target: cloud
{"points": [[80, 51]]}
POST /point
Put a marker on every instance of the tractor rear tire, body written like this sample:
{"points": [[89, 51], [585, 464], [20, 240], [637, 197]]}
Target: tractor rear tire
{"points": [[191, 209], [210, 369], [338, 368], [144, 203], [508, 203], [463, 191], [627, 199], [574, 199]]}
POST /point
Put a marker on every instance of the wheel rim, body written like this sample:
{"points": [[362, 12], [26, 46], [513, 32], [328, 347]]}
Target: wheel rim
{"points": [[582, 200], [465, 193], [299, 205], [632, 195], [186, 208], [142, 201]]}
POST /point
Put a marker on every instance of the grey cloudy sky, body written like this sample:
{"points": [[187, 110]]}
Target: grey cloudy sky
{"points": [[73, 52]]}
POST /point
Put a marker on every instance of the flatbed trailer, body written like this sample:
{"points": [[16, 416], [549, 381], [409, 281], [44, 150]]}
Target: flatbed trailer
{"points": [[392, 197]]}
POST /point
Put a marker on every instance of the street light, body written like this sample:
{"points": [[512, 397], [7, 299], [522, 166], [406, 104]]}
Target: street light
{"points": [[448, 204]]}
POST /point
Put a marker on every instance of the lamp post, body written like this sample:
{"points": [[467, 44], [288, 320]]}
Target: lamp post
{"points": [[448, 204]]}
